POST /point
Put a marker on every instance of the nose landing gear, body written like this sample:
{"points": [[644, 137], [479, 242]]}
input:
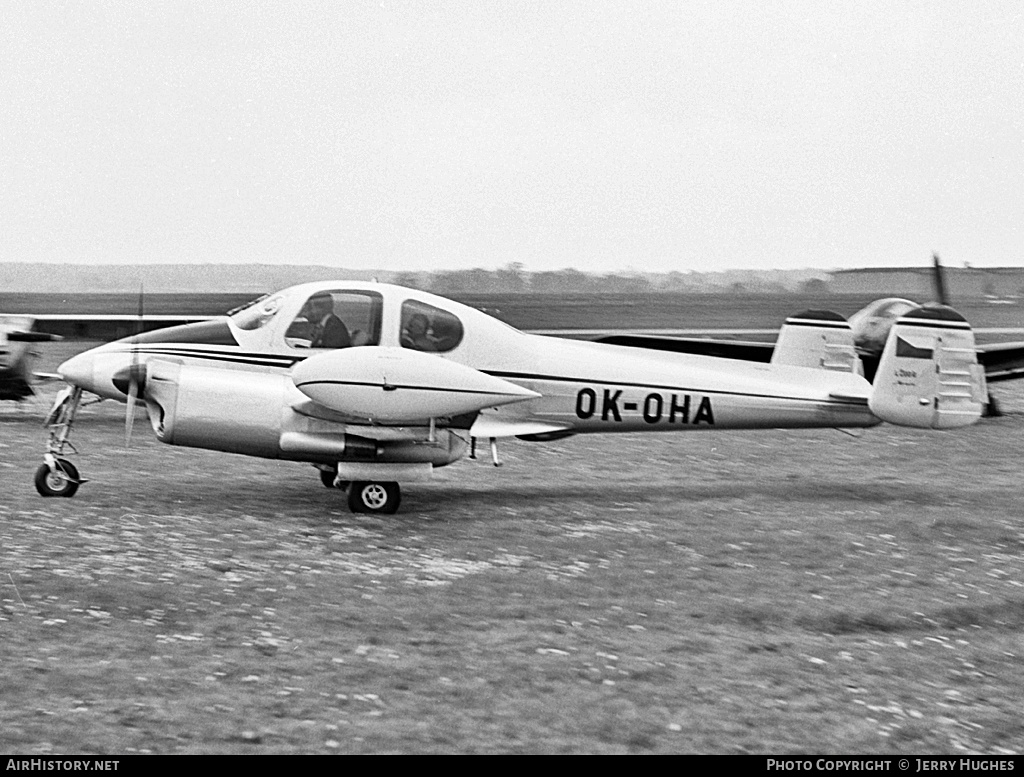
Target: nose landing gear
{"points": [[57, 476]]}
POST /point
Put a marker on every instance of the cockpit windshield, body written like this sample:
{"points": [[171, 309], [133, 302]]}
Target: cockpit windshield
{"points": [[257, 313]]}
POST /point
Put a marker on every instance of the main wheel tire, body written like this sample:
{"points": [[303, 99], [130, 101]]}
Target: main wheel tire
{"points": [[381, 498], [61, 481]]}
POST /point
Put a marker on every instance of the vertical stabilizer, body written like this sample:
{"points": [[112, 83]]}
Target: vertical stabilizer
{"points": [[819, 339], [928, 375]]}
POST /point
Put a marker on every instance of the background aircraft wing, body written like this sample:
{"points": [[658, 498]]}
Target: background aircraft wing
{"points": [[1002, 361], [104, 326], [751, 351]]}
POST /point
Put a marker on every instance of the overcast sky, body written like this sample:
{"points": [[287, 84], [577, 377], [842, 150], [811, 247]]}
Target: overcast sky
{"points": [[598, 135]]}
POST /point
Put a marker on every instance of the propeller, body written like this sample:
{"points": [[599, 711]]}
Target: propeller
{"points": [[136, 377], [939, 281]]}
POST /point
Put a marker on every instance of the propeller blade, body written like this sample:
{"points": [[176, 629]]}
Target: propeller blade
{"points": [[939, 281], [134, 372], [129, 413], [138, 323]]}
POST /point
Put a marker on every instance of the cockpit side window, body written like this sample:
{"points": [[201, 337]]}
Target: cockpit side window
{"points": [[427, 328], [337, 319], [256, 314]]}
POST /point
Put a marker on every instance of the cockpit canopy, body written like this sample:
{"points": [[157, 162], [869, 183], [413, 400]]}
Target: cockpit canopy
{"points": [[330, 318]]}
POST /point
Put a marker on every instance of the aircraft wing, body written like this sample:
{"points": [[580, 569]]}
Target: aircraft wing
{"points": [[107, 327], [750, 351], [1002, 361]]}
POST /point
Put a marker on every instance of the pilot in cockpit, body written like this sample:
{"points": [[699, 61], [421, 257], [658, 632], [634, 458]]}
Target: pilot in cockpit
{"points": [[326, 329]]}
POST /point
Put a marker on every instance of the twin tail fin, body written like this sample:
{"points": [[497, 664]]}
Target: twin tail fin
{"points": [[819, 339], [928, 375]]}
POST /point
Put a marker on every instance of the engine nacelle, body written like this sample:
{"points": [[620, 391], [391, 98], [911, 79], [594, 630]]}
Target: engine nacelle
{"points": [[251, 413], [218, 409], [871, 325]]}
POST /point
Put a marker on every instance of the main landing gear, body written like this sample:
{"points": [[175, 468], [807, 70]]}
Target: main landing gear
{"points": [[57, 476], [368, 497], [365, 496]]}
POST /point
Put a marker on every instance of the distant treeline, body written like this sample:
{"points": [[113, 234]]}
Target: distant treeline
{"points": [[511, 279], [514, 279]]}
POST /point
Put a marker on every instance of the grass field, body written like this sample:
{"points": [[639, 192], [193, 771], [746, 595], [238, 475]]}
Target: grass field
{"points": [[762, 592]]}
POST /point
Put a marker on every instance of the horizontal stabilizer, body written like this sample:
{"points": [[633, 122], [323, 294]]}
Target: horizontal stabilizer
{"points": [[928, 375], [489, 425], [843, 397], [819, 339]]}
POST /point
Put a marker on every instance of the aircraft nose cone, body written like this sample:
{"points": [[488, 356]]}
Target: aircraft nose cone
{"points": [[78, 370]]}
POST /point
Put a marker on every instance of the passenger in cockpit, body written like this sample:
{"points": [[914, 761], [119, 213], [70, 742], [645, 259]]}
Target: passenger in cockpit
{"points": [[327, 330], [415, 334], [447, 332]]}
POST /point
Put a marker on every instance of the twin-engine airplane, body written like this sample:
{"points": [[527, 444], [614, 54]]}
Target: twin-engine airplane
{"points": [[375, 384]]}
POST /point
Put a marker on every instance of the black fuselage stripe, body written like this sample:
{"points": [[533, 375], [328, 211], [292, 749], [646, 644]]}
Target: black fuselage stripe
{"points": [[234, 357], [929, 324], [815, 323]]}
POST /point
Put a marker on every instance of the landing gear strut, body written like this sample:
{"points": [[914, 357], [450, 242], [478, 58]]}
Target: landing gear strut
{"points": [[329, 477], [57, 476]]}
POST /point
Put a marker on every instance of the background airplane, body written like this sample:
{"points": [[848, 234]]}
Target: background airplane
{"points": [[423, 378], [20, 335], [870, 327], [17, 354]]}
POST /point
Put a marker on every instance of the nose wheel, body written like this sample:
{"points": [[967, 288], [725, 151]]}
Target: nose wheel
{"points": [[57, 479]]}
